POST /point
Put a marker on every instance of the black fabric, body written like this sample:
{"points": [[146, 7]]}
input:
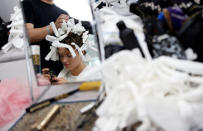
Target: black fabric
{"points": [[188, 31], [191, 35], [101, 5], [3, 33], [112, 49], [40, 14]]}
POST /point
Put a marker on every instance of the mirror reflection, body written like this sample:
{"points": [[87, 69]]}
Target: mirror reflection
{"points": [[61, 37], [11, 32]]}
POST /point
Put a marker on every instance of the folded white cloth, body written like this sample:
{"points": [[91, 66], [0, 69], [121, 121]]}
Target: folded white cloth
{"points": [[164, 93], [16, 32]]}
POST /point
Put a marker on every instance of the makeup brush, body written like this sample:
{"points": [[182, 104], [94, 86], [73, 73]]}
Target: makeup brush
{"points": [[86, 86]]}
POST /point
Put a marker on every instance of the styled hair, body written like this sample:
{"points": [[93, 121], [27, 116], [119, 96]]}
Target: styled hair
{"points": [[72, 37], [77, 39]]}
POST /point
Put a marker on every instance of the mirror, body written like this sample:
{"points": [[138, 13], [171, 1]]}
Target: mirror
{"points": [[62, 40], [11, 32]]}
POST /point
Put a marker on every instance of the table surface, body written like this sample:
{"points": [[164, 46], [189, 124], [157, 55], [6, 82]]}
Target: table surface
{"points": [[65, 119], [12, 55]]}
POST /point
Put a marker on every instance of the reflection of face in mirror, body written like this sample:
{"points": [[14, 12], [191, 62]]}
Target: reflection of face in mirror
{"points": [[73, 66], [45, 18]]}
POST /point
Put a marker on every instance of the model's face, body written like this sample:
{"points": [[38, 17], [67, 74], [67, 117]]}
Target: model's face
{"points": [[67, 60]]}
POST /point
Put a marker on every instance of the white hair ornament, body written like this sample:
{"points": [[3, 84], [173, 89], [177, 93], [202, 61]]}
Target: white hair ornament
{"points": [[61, 34]]}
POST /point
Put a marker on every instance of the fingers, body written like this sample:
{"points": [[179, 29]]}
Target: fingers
{"points": [[45, 70], [42, 81], [45, 73], [60, 19], [47, 76], [55, 79], [59, 80], [63, 16]]}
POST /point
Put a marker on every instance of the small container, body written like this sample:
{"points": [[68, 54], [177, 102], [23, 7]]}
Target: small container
{"points": [[128, 37], [36, 58]]}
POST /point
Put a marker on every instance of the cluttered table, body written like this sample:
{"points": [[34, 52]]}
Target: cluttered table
{"points": [[65, 115], [65, 119]]}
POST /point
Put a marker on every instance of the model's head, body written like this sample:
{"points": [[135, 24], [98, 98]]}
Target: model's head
{"points": [[65, 55]]}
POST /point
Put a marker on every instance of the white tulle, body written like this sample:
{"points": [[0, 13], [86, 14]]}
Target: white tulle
{"points": [[163, 93]]}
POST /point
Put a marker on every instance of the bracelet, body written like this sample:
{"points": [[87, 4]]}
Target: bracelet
{"points": [[48, 30]]}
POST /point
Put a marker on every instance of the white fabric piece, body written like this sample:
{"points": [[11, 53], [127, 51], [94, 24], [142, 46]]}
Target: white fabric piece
{"points": [[78, 29], [61, 32], [184, 65], [114, 3], [190, 54], [16, 32], [123, 98], [85, 36], [19, 43], [16, 24], [61, 45], [53, 26], [165, 96], [52, 54], [62, 37], [132, 1], [70, 23], [50, 38], [79, 50], [69, 77], [6, 47], [165, 113], [64, 26]]}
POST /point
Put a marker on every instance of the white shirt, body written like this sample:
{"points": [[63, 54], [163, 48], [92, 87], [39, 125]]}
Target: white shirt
{"points": [[71, 78]]}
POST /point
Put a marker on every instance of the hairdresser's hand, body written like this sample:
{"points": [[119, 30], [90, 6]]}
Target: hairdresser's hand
{"points": [[45, 73], [60, 80], [60, 19]]}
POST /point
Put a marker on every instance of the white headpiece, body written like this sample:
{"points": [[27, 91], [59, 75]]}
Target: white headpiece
{"points": [[61, 34]]}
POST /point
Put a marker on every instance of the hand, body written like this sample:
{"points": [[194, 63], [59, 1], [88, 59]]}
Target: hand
{"points": [[42, 81], [60, 80], [45, 73], [60, 19]]}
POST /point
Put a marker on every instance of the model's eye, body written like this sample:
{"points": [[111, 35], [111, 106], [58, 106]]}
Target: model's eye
{"points": [[69, 55]]}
